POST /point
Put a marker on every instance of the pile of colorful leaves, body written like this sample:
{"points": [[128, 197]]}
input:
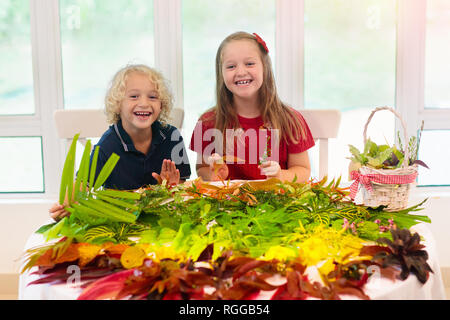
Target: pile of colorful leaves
{"points": [[232, 241]]}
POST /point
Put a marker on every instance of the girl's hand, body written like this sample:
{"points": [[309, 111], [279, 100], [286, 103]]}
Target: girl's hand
{"points": [[219, 170], [169, 172], [57, 212], [271, 169]]}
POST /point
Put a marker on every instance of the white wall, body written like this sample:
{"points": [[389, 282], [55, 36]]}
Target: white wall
{"points": [[437, 208], [21, 218]]}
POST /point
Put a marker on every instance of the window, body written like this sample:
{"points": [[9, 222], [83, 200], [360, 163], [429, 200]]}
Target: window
{"points": [[21, 163], [350, 49], [435, 152], [98, 38], [16, 77], [435, 111], [437, 50], [21, 169]]}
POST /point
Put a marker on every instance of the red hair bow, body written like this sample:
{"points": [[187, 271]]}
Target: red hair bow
{"points": [[261, 42]]}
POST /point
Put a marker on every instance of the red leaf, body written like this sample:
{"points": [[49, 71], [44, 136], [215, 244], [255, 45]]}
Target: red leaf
{"points": [[107, 287]]}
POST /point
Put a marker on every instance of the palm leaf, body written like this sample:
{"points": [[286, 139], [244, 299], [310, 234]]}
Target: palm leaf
{"points": [[53, 232], [321, 216], [120, 203], [106, 170], [120, 194], [93, 167], [109, 211], [83, 172], [98, 232], [66, 186]]}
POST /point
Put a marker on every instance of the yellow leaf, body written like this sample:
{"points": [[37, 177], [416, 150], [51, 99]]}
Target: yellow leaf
{"points": [[158, 253], [279, 253], [87, 253], [326, 267], [133, 257], [271, 184]]}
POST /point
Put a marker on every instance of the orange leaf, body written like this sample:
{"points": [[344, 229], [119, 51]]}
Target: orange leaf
{"points": [[87, 252], [71, 254], [45, 260], [112, 248]]}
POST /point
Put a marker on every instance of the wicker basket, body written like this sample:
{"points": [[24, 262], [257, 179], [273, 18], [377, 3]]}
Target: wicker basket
{"points": [[394, 196]]}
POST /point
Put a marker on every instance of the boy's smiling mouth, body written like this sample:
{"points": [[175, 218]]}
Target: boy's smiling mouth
{"points": [[143, 114]]}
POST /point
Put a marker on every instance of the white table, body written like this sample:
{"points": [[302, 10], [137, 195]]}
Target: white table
{"points": [[376, 288]]}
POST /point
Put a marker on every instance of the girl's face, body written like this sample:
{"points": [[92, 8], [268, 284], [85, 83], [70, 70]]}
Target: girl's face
{"points": [[242, 68], [141, 105]]}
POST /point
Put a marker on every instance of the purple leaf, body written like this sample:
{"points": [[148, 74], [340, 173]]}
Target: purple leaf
{"points": [[420, 163]]}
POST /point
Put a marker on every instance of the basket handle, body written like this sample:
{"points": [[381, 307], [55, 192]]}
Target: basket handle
{"points": [[405, 135]]}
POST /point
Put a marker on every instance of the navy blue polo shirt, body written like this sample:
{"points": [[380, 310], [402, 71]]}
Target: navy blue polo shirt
{"points": [[134, 168]]}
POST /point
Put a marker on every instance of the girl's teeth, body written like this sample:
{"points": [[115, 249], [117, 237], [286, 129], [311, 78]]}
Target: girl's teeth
{"points": [[243, 82]]}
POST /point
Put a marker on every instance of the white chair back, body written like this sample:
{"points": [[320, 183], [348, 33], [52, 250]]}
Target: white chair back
{"points": [[176, 118], [324, 125], [91, 123]]}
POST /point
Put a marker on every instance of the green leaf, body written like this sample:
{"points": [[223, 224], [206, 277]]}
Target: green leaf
{"points": [[117, 202], [106, 170], [83, 172], [120, 194], [357, 156], [46, 227], [382, 148], [374, 162], [93, 167], [169, 222], [53, 232], [81, 214], [66, 186], [385, 154], [182, 236], [85, 213], [109, 211], [98, 232], [355, 152], [370, 148], [197, 248], [166, 235]]}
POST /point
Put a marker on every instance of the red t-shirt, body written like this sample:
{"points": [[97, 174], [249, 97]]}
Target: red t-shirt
{"points": [[251, 144]]}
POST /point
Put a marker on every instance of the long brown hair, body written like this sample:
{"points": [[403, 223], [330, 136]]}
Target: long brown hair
{"points": [[274, 113]]}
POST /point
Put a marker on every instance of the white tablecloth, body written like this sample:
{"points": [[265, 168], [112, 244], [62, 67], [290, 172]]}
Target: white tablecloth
{"points": [[377, 288]]}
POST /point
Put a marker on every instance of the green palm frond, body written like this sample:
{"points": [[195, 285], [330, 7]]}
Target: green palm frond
{"points": [[81, 182], [119, 232], [93, 203], [66, 187], [322, 217], [99, 232], [352, 213]]}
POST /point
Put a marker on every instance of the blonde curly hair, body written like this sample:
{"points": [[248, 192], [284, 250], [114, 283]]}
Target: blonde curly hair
{"points": [[116, 92]]}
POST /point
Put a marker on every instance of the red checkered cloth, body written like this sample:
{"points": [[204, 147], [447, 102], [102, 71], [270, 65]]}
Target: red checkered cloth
{"points": [[366, 180]]}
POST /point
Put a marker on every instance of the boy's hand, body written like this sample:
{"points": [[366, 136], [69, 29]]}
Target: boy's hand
{"points": [[169, 172], [57, 212], [270, 169]]}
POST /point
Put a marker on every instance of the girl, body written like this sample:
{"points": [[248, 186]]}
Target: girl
{"points": [[249, 116], [138, 104]]}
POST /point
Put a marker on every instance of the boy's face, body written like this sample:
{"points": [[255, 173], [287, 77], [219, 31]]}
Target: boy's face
{"points": [[242, 68], [141, 105]]}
